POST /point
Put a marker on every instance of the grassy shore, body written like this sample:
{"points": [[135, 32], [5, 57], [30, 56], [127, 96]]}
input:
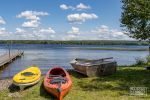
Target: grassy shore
{"points": [[113, 87], [118, 49]]}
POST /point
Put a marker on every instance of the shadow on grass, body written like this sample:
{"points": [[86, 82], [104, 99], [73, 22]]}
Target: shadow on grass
{"points": [[76, 74], [13, 88], [45, 94], [122, 80]]}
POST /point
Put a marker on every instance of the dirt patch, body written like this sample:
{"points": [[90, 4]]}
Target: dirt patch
{"points": [[4, 84]]}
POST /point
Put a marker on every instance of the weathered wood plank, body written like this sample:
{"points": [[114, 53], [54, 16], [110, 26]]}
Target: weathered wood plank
{"points": [[8, 57]]}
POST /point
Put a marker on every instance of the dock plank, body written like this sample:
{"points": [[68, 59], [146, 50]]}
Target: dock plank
{"points": [[8, 57]]}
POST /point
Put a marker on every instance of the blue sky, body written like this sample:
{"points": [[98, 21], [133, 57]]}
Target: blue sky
{"points": [[60, 20]]}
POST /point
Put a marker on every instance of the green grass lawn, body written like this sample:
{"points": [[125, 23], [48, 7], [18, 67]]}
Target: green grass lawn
{"points": [[113, 87]]}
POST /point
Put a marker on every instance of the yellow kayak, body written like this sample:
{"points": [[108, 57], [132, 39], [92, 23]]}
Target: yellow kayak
{"points": [[27, 77]]}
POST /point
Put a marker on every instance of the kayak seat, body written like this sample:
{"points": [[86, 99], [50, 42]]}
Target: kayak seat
{"points": [[28, 74], [58, 80]]}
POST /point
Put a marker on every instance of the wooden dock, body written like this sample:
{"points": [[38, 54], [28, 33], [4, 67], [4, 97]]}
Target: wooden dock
{"points": [[10, 56]]}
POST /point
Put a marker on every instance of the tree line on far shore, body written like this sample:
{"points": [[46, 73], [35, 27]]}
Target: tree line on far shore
{"points": [[76, 42]]}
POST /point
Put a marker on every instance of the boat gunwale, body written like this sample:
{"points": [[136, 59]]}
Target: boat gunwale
{"points": [[90, 64]]}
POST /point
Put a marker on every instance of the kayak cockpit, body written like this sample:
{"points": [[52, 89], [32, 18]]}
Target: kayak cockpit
{"points": [[57, 72]]}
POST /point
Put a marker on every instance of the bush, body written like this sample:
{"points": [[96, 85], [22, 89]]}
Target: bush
{"points": [[140, 61], [148, 59]]}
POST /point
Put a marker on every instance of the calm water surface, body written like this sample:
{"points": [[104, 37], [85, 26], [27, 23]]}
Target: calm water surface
{"points": [[46, 56]]}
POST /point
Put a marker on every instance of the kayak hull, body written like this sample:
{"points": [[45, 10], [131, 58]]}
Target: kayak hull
{"points": [[22, 86], [27, 77], [54, 92], [57, 90]]}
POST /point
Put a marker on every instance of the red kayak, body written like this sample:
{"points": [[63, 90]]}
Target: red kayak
{"points": [[57, 82]]}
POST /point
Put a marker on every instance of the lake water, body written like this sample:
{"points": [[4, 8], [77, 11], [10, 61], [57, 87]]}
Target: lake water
{"points": [[47, 55]]}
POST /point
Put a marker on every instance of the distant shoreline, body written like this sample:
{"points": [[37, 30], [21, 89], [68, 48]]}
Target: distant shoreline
{"points": [[76, 42], [118, 49]]}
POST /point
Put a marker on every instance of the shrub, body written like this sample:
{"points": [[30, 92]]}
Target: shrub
{"points": [[140, 61], [148, 59]]}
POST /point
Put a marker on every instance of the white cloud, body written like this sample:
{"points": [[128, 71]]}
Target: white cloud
{"points": [[79, 18], [104, 32], [101, 29], [17, 35], [31, 24], [27, 34], [82, 6], [49, 30], [43, 34], [78, 7], [2, 30], [33, 18], [52, 36], [2, 21], [19, 30], [32, 15], [116, 32], [64, 7], [5, 35], [69, 37], [74, 30]]}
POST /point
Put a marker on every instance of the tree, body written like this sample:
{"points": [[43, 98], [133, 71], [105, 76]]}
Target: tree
{"points": [[135, 19]]}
